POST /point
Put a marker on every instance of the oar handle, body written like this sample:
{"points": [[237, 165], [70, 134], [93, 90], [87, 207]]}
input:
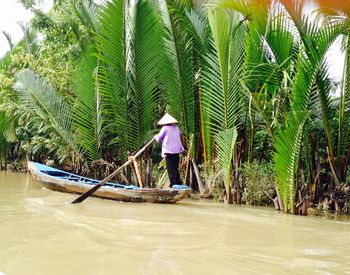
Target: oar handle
{"points": [[103, 182]]}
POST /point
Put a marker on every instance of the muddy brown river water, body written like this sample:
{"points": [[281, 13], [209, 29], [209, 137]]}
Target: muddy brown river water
{"points": [[42, 233]]}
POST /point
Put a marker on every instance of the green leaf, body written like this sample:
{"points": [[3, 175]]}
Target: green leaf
{"points": [[41, 100], [225, 143], [112, 84], [177, 71], [286, 157], [222, 73], [88, 117], [143, 71]]}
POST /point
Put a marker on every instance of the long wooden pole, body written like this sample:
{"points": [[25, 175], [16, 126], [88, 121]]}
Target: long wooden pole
{"points": [[104, 181], [138, 173]]}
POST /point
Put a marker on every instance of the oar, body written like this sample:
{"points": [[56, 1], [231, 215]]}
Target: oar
{"points": [[104, 181]]}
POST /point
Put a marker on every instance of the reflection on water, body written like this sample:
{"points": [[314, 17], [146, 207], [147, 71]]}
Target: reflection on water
{"points": [[42, 233]]}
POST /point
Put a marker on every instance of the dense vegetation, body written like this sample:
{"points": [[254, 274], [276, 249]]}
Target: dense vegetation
{"points": [[247, 79]]}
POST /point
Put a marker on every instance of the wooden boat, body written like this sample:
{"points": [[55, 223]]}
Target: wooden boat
{"points": [[59, 180]]}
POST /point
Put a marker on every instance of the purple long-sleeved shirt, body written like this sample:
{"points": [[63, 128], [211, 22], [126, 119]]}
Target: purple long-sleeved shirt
{"points": [[169, 135]]}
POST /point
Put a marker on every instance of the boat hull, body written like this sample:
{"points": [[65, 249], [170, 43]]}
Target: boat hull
{"points": [[64, 184]]}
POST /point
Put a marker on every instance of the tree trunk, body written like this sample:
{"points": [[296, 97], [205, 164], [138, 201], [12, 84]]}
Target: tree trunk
{"points": [[337, 183], [128, 173], [148, 176], [280, 203], [199, 181], [122, 178], [192, 183], [134, 175]]}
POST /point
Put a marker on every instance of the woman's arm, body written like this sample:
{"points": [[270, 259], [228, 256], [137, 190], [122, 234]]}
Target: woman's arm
{"points": [[160, 136]]}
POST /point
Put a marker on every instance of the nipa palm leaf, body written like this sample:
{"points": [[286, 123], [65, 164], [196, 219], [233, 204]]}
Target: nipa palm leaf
{"points": [[88, 117], [225, 143], [41, 100], [344, 114], [221, 86], [143, 70], [286, 158], [112, 54], [177, 71]]}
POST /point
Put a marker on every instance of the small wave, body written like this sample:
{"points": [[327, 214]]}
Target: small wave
{"points": [[318, 252]]}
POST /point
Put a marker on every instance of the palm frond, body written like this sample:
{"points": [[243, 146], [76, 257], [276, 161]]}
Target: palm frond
{"points": [[241, 6], [87, 11], [344, 108], [316, 45], [225, 143], [111, 52], [29, 38], [280, 38], [254, 43], [221, 84], [40, 99], [311, 70], [9, 129], [3, 142], [286, 157], [9, 39], [324, 89], [196, 26], [144, 71], [88, 117], [177, 72]]}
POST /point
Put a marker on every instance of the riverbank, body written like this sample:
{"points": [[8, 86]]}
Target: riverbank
{"points": [[333, 202]]}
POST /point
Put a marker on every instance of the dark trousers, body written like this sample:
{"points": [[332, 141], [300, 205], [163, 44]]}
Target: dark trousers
{"points": [[172, 166]]}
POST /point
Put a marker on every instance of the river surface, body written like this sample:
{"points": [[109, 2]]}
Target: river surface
{"points": [[42, 233]]}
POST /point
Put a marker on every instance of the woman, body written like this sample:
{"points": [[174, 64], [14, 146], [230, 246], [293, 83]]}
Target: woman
{"points": [[169, 135]]}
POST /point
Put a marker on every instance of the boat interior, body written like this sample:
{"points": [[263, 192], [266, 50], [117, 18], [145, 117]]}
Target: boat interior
{"points": [[76, 178]]}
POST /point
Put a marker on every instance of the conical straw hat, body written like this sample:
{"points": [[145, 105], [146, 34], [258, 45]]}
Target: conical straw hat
{"points": [[167, 119]]}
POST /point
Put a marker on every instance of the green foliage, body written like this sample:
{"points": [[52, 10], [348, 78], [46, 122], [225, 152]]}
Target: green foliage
{"points": [[343, 139], [112, 53], [87, 12], [3, 143], [246, 71], [8, 38], [257, 179], [177, 71], [286, 158], [221, 88], [28, 4], [87, 115], [144, 71], [222, 92], [44, 105], [225, 143], [128, 71]]}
